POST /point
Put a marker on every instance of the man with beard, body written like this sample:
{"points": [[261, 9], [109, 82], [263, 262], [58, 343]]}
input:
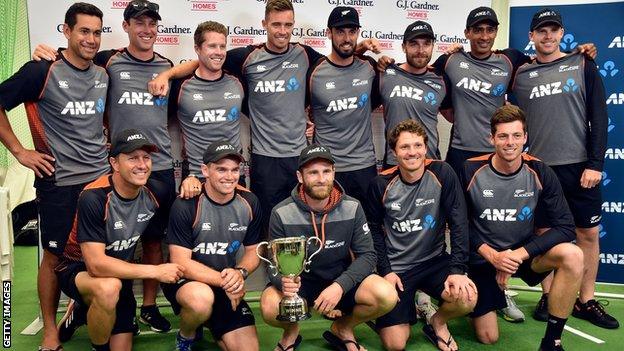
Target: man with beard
{"points": [[273, 76], [65, 106], [130, 69], [504, 190], [343, 91], [408, 208], [226, 217], [568, 130], [340, 283], [96, 268], [207, 104], [410, 91]]}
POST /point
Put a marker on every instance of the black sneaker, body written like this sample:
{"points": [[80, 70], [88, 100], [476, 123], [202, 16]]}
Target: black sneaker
{"points": [[74, 317], [593, 311], [152, 317], [547, 346], [541, 310]]}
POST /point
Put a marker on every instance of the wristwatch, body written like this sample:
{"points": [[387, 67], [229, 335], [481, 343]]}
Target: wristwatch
{"points": [[243, 272]]}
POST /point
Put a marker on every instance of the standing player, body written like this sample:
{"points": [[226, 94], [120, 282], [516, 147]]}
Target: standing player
{"points": [[130, 69], [408, 208], [113, 212], [504, 190], [205, 236], [340, 283], [65, 102], [343, 91], [207, 103], [567, 119], [410, 91]]}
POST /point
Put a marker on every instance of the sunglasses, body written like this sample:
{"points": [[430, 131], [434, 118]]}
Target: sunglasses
{"points": [[148, 5]]}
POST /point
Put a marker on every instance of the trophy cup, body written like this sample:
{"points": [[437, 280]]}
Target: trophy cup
{"points": [[289, 255]]}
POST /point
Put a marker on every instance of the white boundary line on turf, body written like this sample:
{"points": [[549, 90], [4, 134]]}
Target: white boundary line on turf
{"points": [[536, 289], [583, 335]]}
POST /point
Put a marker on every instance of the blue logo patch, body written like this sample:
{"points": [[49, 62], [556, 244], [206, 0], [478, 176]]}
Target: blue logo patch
{"points": [[601, 231], [99, 107], [429, 222], [609, 69], [160, 101], [233, 247], [525, 213], [568, 42], [233, 115], [499, 90], [430, 98], [605, 179], [292, 84], [570, 86], [363, 100]]}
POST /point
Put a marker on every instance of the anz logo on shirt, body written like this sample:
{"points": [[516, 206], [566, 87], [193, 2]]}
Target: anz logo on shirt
{"points": [[402, 91], [277, 86], [123, 244], [212, 116], [80, 108], [481, 87], [141, 98], [413, 225], [507, 214], [554, 88], [217, 248], [349, 103]]}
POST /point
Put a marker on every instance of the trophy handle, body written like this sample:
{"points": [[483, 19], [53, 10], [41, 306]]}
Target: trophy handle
{"points": [[271, 266], [307, 263]]}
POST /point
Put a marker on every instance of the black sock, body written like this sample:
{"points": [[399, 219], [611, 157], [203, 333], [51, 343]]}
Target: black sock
{"points": [[105, 347], [554, 328]]}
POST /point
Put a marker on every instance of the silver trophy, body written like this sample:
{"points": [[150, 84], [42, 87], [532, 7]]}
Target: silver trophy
{"points": [[289, 256]]}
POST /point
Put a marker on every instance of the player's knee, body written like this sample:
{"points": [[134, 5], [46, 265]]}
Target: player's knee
{"points": [[385, 296], [465, 305], [106, 292], [487, 337], [394, 343], [572, 259], [198, 300], [269, 303]]}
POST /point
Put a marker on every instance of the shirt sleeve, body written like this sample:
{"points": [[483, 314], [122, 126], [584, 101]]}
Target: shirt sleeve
{"points": [[596, 117], [517, 59], [180, 228], [558, 215], [466, 174], [375, 213], [90, 216], [235, 59], [174, 93], [102, 57], [454, 203], [313, 55], [375, 97], [252, 236], [25, 85], [440, 64], [365, 258]]}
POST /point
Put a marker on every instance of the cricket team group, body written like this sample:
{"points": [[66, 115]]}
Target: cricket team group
{"points": [[454, 230]]}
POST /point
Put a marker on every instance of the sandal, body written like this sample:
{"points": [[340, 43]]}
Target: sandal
{"points": [[435, 339], [292, 346], [338, 343]]}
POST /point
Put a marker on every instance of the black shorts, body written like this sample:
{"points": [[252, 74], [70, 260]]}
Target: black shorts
{"points": [[126, 306], [162, 184], [456, 158], [223, 320], [355, 183], [311, 288], [428, 277], [491, 297], [272, 180], [57, 209], [585, 204]]}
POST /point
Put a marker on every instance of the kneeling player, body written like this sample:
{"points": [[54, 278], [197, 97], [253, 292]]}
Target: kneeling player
{"points": [[408, 208], [503, 191], [205, 234], [113, 212]]}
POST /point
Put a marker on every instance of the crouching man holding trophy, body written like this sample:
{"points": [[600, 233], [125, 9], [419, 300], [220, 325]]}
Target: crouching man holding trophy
{"points": [[338, 282]]}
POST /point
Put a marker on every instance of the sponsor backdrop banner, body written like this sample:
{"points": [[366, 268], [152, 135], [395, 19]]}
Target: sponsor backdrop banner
{"points": [[384, 20], [601, 24]]}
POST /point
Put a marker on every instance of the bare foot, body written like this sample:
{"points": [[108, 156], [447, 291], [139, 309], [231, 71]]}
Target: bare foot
{"points": [[443, 333], [346, 334], [288, 337]]}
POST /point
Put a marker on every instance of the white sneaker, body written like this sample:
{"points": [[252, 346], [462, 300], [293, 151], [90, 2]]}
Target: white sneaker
{"points": [[511, 313], [426, 311]]}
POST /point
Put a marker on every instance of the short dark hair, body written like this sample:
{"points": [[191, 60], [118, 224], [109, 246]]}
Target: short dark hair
{"points": [[507, 114], [409, 125], [81, 8], [208, 26], [278, 6]]}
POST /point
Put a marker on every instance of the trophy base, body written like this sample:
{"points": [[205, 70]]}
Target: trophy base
{"points": [[294, 319], [293, 309]]}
